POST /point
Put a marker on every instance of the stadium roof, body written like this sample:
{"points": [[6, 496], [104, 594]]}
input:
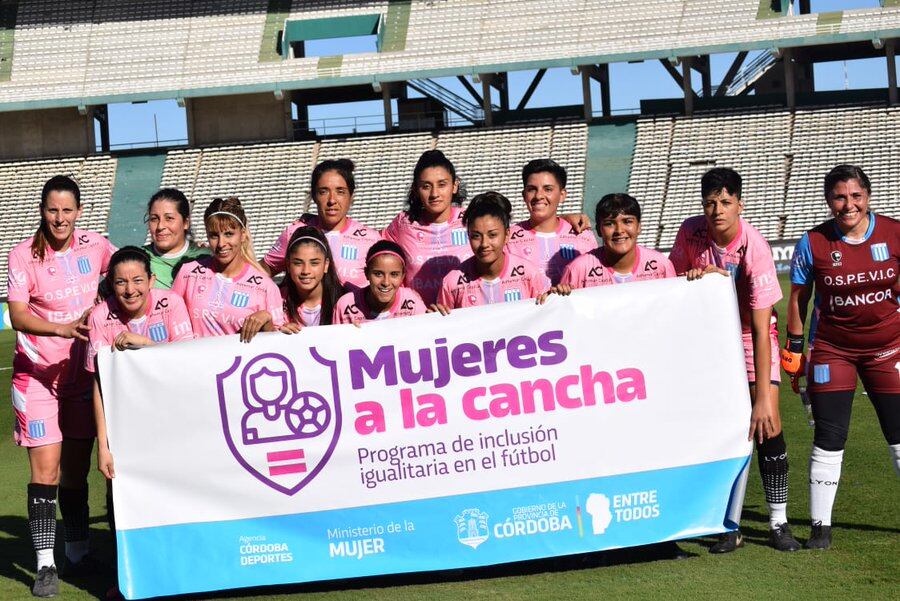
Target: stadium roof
{"points": [[56, 54]]}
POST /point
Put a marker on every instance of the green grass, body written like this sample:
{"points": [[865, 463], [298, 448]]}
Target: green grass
{"points": [[863, 564]]}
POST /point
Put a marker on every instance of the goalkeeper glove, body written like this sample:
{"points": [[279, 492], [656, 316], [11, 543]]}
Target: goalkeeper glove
{"points": [[792, 359]]}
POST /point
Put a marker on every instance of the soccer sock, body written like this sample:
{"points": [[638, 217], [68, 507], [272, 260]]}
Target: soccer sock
{"points": [[895, 456], [42, 521], [773, 469], [73, 504], [824, 473]]}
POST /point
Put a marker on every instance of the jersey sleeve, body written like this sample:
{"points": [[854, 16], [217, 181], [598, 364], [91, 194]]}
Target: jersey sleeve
{"points": [[274, 259], [108, 249], [570, 276], [181, 322], [538, 282], [392, 231], [420, 306], [668, 268], [179, 285], [18, 282], [762, 277], [802, 263], [96, 338], [445, 294], [681, 262], [337, 316], [274, 303]]}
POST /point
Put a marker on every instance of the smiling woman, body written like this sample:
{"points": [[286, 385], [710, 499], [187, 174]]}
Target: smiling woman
{"points": [[228, 292], [169, 226]]}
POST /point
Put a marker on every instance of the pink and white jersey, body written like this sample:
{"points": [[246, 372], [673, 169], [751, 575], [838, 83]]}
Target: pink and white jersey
{"points": [[593, 269], [352, 307], [307, 316], [348, 247], [166, 320], [519, 279], [432, 250], [58, 289], [218, 305], [748, 259], [553, 251]]}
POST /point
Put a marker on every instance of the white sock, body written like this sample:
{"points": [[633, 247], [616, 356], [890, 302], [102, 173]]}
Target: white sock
{"points": [[895, 456], [777, 514], [824, 474], [76, 550], [45, 559]]}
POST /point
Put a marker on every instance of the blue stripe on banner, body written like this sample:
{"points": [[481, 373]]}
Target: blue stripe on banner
{"points": [[431, 534]]}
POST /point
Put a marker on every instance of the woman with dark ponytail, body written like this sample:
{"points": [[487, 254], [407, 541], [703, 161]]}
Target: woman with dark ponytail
{"points": [[53, 278], [492, 275], [431, 230], [331, 187]]}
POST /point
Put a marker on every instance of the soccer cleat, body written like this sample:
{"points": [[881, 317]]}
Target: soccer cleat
{"points": [[46, 583], [781, 538], [819, 537], [728, 542]]}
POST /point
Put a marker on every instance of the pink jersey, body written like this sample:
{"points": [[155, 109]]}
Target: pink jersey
{"points": [[552, 252], [748, 259], [592, 269], [352, 307], [520, 279], [57, 290], [166, 320], [432, 250], [218, 305], [306, 316], [348, 247]]}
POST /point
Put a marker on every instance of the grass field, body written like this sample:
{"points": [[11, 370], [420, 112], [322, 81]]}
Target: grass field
{"points": [[864, 562]]}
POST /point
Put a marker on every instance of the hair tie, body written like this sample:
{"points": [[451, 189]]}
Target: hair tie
{"points": [[386, 252], [232, 215], [313, 238]]}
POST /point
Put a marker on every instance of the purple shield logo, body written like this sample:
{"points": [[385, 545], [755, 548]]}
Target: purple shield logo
{"points": [[281, 434]]}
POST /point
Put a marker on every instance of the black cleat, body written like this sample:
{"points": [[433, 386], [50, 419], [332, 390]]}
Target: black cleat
{"points": [[46, 583], [820, 537], [728, 542], [781, 538]]}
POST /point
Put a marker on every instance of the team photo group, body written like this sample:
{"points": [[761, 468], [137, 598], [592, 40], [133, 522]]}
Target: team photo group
{"points": [[72, 294]]}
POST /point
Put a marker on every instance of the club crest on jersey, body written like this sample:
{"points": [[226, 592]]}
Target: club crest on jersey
{"points": [[459, 237], [880, 252], [158, 332], [280, 434], [513, 295], [734, 269], [84, 265], [240, 299], [836, 257], [349, 252], [567, 251], [822, 373]]}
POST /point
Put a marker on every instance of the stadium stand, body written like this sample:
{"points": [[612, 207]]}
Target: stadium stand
{"points": [[782, 156], [20, 195], [67, 53]]}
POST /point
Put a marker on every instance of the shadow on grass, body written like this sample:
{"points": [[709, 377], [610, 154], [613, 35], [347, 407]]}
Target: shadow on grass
{"points": [[17, 559]]}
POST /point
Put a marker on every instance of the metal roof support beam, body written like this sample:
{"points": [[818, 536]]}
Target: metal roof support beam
{"points": [[732, 72], [586, 93], [890, 50], [531, 88], [600, 74], [486, 98], [388, 112], [470, 89], [686, 85], [500, 82], [790, 83], [672, 71], [705, 75]]}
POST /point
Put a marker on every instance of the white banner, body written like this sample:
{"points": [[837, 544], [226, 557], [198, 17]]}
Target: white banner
{"points": [[614, 417]]}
